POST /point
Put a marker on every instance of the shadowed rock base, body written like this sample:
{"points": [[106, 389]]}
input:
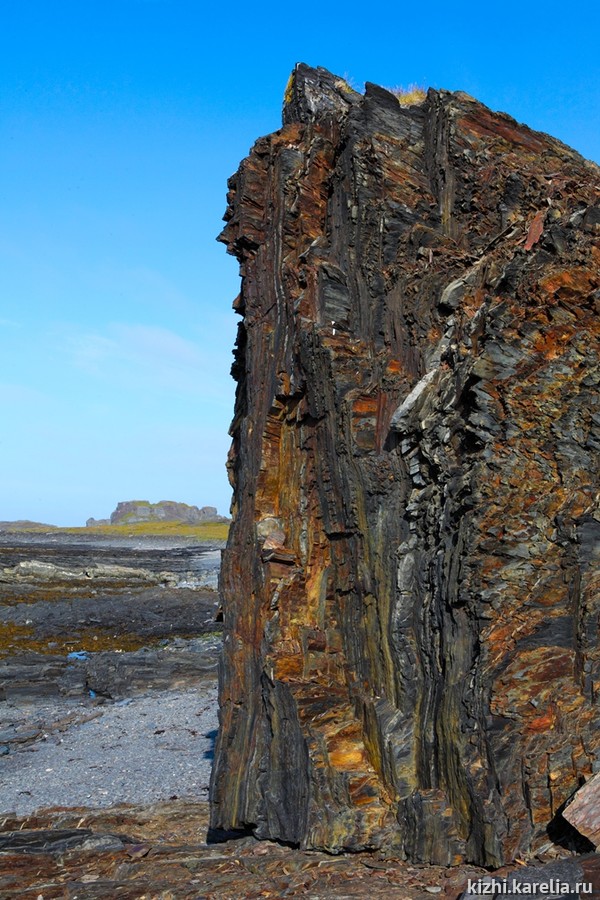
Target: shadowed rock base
{"points": [[411, 590]]}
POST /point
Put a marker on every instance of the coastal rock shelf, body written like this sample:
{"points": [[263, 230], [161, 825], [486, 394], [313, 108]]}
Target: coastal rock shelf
{"points": [[104, 614], [411, 589]]}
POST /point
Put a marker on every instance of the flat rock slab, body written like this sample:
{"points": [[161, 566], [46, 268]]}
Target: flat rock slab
{"points": [[583, 812], [58, 840]]}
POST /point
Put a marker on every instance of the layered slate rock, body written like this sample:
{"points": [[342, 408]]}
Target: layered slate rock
{"points": [[411, 582]]}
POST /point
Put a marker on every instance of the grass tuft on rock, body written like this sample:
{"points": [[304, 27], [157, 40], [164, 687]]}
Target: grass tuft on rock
{"points": [[409, 96], [205, 531]]}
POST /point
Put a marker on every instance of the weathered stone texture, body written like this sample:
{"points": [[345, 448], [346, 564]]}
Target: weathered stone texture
{"points": [[584, 810], [411, 583]]}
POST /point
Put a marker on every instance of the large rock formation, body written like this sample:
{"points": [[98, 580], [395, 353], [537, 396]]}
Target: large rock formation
{"points": [[411, 591], [135, 512]]}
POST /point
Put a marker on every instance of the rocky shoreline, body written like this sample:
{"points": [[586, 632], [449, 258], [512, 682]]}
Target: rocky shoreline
{"points": [[183, 553], [106, 745], [99, 637]]}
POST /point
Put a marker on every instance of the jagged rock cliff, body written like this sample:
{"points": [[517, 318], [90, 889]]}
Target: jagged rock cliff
{"points": [[411, 585]]}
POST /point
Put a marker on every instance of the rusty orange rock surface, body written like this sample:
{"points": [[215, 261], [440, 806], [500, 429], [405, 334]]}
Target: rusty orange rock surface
{"points": [[411, 589]]}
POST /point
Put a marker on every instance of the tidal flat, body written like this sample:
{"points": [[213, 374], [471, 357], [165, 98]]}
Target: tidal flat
{"points": [[106, 645]]}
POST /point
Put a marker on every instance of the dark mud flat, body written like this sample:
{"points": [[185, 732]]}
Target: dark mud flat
{"points": [[31, 678], [100, 620]]}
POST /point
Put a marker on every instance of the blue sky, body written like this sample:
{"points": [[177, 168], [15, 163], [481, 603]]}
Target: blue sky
{"points": [[120, 123]]}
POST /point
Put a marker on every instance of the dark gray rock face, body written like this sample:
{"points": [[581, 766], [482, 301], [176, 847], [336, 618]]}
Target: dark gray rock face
{"points": [[411, 589]]}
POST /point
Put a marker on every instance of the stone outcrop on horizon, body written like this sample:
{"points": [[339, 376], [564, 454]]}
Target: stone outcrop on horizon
{"points": [[133, 512], [411, 588]]}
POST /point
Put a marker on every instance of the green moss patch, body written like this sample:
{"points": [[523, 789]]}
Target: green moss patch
{"points": [[207, 531]]}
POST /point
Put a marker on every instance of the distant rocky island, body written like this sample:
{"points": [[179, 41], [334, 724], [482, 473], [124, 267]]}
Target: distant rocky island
{"points": [[131, 512], [134, 512], [25, 525]]}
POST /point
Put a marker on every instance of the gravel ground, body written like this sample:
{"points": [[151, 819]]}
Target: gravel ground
{"points": [[139, 750]]}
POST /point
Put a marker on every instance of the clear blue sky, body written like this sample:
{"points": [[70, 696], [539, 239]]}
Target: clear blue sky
{"points": [[121, 121]]}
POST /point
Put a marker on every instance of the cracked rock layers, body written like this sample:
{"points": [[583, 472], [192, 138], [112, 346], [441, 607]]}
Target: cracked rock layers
{"points": [[411, 588]]}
